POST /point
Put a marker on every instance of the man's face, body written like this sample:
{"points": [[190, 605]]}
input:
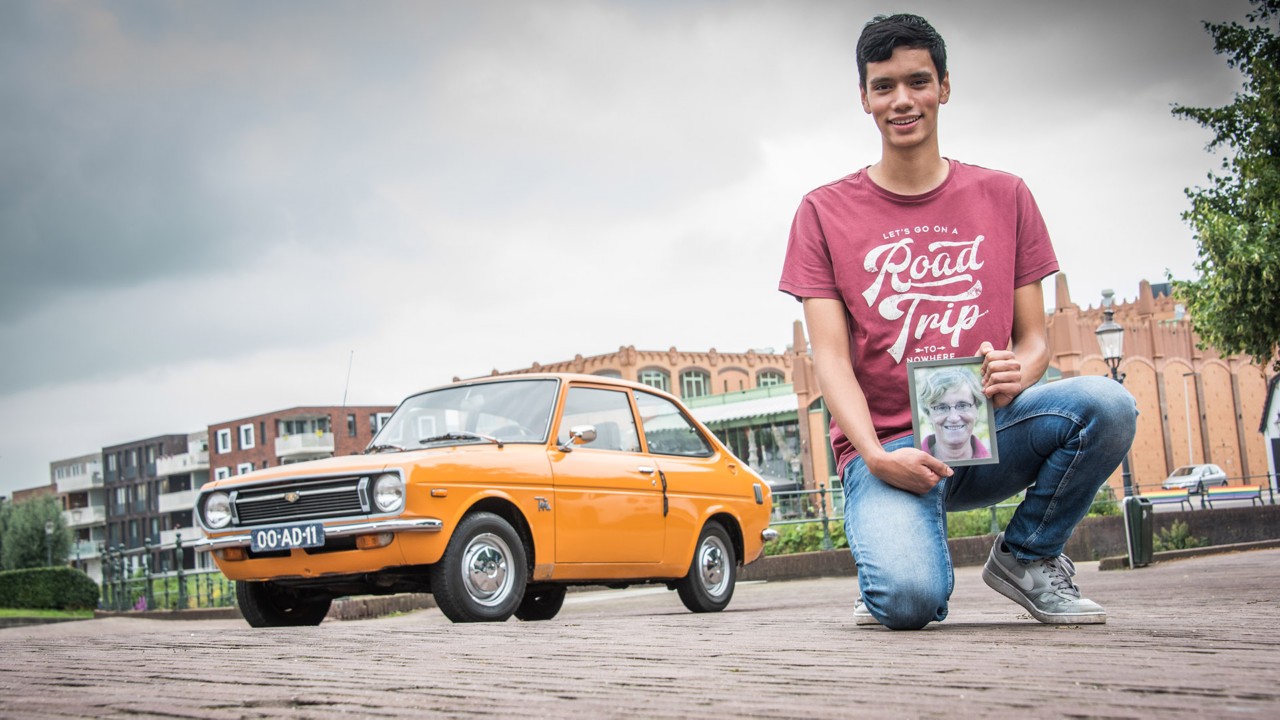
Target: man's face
{"points": [[902, 94]]}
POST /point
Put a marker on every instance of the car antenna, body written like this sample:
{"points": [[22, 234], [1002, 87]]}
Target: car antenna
{"points": [[350, 358]]}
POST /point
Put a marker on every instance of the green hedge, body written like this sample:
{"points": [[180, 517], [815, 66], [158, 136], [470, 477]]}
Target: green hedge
{"points": [[48, 588]]}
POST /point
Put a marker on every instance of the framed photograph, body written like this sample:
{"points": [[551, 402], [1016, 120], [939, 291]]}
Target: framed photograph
{"points": [[952, 420]]}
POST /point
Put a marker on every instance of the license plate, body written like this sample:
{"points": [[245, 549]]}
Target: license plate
{"points": [[287, 538]]}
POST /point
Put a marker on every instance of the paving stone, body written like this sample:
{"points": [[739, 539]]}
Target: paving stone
{"points": [[1187, 638]]}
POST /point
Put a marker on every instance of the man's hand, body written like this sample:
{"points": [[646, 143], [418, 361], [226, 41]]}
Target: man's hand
{"points": [[908, 469], [1001, 375]]}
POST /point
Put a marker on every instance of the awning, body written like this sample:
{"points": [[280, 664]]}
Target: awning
{"points": [[747, 409]]}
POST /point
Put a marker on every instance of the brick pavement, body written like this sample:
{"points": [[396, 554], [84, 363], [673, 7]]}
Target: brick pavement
{"points": [[1189, 638]]}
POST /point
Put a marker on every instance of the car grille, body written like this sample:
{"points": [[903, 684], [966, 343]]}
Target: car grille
{"points": [[307, 500]]}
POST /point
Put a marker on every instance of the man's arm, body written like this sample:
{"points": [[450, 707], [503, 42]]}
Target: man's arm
{"points": [[1005, 373], [907, 468]]}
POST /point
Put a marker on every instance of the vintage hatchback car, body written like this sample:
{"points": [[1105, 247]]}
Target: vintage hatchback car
{"points": [[495, 495]]}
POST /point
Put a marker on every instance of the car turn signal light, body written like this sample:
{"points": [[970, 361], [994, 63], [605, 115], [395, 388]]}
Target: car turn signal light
{"points": [[373, 542], [230, 554]]}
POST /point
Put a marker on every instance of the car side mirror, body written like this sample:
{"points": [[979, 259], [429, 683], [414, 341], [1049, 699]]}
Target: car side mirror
{"points": [[579, 435]]}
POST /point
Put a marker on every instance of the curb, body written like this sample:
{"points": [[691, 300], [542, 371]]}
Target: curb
{"points": [[1122, 562]]}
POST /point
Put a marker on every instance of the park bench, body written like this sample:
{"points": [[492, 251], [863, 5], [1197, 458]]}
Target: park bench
{"points": [[1163, 497], [1252, 493]]}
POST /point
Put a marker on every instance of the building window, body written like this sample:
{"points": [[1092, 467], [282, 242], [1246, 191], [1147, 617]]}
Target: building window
{"points": [[244, 468], [694, 384], [351, 425], [221, 473], [224, 440], [656, 378], [377, 420], [246, 436], [769, 378]]}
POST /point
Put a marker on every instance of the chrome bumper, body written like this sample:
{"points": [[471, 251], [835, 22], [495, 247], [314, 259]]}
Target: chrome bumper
{"points": [[364, 528], [768, 534]]}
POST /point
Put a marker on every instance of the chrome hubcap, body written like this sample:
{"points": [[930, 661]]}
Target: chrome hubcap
{"points": [[485, 569], [711, 566]]}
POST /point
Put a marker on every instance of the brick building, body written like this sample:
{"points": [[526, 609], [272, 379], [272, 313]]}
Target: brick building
{"points": [[298, 434]]}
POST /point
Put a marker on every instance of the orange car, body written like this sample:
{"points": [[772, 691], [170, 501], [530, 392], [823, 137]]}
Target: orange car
{"points": [[495, 495]]}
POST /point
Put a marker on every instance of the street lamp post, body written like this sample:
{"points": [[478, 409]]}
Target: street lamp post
{"points": [[1111, 342], [48, 542]]}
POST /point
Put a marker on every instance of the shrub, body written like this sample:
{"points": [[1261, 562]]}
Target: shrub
{"points": [[1176, 537], [805, 537], [48, 588]]}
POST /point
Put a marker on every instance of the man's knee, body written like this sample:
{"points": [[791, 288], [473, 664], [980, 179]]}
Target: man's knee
{"points": [[909, 606], [1109, 406]]}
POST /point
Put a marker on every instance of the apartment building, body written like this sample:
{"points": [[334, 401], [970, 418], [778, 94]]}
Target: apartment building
{"points": [[288, 436], [81, 491]]}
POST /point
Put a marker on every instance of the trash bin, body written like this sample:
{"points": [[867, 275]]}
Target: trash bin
{"points": [[1139, 533]]}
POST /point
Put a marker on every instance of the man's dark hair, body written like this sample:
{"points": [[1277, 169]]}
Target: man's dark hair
{"points": [[883, 33]]}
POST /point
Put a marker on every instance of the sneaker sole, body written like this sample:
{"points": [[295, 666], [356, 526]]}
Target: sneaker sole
{"points": [[1005, 588], [865, 620]]}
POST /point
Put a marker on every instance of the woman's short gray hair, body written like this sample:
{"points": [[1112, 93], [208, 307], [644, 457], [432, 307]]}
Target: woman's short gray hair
{"points": [[944, 380]]}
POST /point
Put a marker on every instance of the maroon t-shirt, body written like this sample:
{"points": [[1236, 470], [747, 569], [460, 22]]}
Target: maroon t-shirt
{"points": [[922, 277]]}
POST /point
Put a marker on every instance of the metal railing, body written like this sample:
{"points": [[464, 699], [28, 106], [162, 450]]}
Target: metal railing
{"points": [[796, 507], [1265, 482], [129, 581]]}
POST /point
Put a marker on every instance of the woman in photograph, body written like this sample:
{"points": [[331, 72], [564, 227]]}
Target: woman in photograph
{"points": [[951, 398]]}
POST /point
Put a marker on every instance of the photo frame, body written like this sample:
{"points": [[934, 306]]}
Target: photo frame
{"points": [[950, 417]]}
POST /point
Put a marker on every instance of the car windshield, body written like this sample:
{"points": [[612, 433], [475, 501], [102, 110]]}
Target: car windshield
{"points": [[516, 411]]}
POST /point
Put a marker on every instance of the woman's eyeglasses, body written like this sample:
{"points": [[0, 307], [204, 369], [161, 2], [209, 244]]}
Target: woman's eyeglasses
{"points": [[944, 409]]}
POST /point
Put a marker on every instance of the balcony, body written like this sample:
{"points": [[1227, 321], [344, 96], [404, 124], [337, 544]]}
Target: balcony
{"points": [[305, 446], [83, 550], [188, 535], [177, 501], [80, 483], [182, 464], [87, 516]]}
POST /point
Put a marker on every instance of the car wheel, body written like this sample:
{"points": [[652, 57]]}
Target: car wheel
{"points": [[712, 573], [265, 604], [541, 603], [482, 575]]}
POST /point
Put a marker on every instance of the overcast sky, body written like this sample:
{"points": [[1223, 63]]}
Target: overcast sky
{"points": [[207, 209]]}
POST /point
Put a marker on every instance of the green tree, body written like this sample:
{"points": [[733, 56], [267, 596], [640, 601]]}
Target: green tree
{"points": [[25, 543], [1233, 305]]}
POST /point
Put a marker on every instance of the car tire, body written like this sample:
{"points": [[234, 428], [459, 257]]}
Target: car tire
{"points": [[265, 604], [541, 603], [482, 575], [708, 587]]}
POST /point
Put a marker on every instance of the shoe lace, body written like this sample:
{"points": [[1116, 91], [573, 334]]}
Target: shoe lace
{"points": [[1060, 571]]}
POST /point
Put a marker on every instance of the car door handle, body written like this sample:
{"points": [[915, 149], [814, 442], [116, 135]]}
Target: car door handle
{"points": [[646, 469]]}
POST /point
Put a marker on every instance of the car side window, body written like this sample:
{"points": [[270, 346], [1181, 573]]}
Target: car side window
{"points": [[608, 412], [666, 429]]}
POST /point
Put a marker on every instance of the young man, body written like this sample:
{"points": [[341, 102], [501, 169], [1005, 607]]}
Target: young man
{"points": [[921, 257]]}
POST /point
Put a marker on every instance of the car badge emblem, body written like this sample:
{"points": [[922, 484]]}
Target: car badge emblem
{"points": [[292, 497]]}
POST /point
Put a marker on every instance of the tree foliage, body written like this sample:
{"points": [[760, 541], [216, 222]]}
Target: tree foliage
{"points": [[23, 541], [1235, 303]]}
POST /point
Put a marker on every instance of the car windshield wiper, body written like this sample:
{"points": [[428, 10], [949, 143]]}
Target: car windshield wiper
{"points": [[383, 448], [460, 435]]}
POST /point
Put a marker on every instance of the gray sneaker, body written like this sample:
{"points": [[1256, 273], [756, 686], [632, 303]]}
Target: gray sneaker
{"points": [[1043, 587], [863, 616]]}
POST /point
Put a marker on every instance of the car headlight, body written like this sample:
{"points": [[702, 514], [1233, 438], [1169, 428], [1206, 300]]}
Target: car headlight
{"points": [[217, 510], [388, 492]]}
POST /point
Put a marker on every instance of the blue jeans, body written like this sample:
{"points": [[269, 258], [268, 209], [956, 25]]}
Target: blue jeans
{"points": [[1059, 441]]}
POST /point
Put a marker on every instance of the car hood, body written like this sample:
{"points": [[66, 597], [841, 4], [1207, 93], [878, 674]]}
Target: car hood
{"points": [[366, 464]]}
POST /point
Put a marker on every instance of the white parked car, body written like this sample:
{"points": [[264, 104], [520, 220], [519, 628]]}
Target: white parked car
{"points": [[1195, 478]]}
